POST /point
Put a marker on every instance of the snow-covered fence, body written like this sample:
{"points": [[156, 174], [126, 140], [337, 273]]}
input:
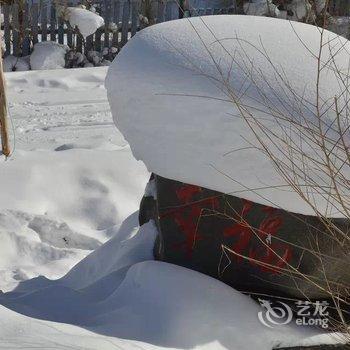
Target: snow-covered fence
{"points": [[23, 28]]}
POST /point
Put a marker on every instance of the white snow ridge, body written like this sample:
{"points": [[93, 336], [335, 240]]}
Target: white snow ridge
{"points": [[178, 89]]}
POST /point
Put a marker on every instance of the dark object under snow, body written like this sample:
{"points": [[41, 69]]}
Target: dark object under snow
{"points": [[257, 249]]}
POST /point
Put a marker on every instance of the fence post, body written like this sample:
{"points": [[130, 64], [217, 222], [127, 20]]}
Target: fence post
{"points": [[7, 30], [43, 20], [26, 36], [107, 16], [3, 110], [160, 11], [115, 19], [15, 30], [135, 4], [53, 23], [125, 22], [34, 16]]}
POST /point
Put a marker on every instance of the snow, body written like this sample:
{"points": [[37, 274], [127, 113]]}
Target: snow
{"points": [[14, 64], [171, 101], [301, 9], [86, 21], [64, 191], [48, 55], [260, 8], [122, 299], [76, 269]]}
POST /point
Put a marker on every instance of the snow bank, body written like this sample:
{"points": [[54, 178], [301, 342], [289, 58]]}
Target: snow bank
{"points": [[16, 64], [121, 296], [86, 21], [48, 55], [171, 101]]}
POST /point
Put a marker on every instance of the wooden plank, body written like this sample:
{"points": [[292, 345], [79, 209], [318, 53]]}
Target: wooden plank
{"points": [[115, 18], [53, 24], [60, 30], [98, 36], [79, 43], [160, 12], [107, 16], [34, 22], [168, 8], [89, 43], [43, 12], [26, 38], [70, 42], [125, 23], [7, 30], [135, 5], [15, 29]]}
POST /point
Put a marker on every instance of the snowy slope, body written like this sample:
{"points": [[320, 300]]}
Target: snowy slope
{"points": [[118, 299], [182, 92], [64, 191]]}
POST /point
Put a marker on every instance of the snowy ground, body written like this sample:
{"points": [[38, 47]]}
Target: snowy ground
{"points": [[65, 189], [72, 188]]}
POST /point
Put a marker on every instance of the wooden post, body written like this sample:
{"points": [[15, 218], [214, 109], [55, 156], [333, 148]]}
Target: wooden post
{"points": [[3, 110]]}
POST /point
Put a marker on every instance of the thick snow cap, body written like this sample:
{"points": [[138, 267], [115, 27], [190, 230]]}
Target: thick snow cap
{"points": [[197, 99], [86, 21]]}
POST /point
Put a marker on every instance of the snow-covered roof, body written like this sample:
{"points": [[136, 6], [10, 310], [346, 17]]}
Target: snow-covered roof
{"points": [[186, 94]]}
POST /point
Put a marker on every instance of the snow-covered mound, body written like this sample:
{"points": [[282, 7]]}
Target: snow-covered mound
{"points": [[48, 55], [124, 298], [183, 93], [86, 21]]}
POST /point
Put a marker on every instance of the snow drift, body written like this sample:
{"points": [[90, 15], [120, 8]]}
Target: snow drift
{"points": [[120, 295], [71, 180], [48, 55], [172, 88]]}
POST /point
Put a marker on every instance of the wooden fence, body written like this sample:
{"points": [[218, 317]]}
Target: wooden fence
{"points": [[23, 28]]}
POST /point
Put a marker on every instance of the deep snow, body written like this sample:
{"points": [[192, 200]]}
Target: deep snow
{"points": [[72, 186], [118, 295], [172, 89], [64, 191]]}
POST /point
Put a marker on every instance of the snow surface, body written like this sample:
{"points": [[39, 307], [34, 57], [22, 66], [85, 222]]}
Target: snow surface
{"points": [[72, 186], [121, 299], [86, 21], [16, 64], [171, 101], [64, 191], [48, 55]]}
